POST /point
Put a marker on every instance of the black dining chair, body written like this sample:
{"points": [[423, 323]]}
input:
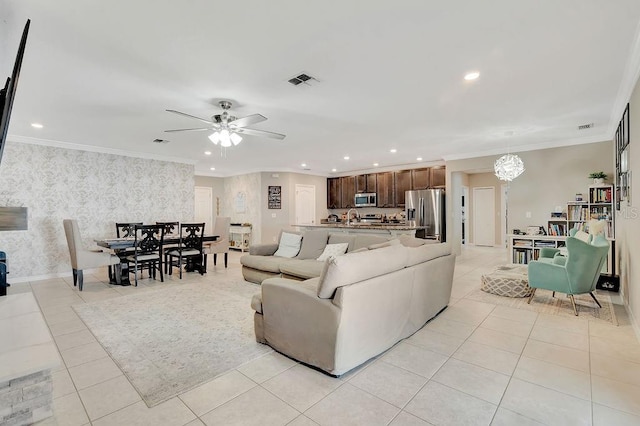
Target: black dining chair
{"points": [[148, 242], [126, 229], [189, 250], [169, 227]]}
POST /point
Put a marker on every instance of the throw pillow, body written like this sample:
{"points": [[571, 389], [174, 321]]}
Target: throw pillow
{"points": [[333, 250], [583, 236], [313, 243], [410, 241], [597, 227], [393, 242], [289, 245]]}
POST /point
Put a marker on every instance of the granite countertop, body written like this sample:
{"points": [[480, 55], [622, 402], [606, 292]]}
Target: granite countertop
{"points": [[380, 226]]}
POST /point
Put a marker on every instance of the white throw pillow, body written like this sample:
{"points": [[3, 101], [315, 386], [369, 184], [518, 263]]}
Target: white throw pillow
{"points": [[333, 250], [583, 236], [289, 245]]}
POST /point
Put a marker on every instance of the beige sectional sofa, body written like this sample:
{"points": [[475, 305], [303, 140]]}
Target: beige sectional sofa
{"points": [[361, 305], [261, 264]]}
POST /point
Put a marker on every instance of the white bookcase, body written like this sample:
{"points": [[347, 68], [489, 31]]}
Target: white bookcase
{"points": [[240, 236]]}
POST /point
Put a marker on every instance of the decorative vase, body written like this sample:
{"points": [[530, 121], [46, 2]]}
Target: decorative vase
{"points": [[598, 181]]}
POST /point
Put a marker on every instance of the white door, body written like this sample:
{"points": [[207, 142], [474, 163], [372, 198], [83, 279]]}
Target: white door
{"points": [[305, 205], [204, 207], [484, 216]]}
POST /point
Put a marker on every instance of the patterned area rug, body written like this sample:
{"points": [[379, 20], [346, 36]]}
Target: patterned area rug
{"points": [[169, 341], [543, 302]]}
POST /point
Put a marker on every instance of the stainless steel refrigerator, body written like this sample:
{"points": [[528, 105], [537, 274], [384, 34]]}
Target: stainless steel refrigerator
{"points": [[425, 207]]}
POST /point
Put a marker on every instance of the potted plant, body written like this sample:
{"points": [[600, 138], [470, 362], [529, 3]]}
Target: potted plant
{"points": [[598, 177]]}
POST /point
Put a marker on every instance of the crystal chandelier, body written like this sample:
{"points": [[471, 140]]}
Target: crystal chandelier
{"points": [[508, 167]]}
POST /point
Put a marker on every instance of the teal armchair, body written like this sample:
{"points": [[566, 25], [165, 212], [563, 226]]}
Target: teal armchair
{"points": [[576, 274]]}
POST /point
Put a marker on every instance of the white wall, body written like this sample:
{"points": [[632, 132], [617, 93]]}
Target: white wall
{"points": [[96, 189], [628, 220], [552, 177]]}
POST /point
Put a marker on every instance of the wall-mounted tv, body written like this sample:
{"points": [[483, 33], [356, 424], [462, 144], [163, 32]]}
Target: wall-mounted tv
{"points": [[9, 92]]}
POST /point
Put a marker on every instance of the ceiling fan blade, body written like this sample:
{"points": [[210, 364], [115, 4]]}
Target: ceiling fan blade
{"points": [[188, 115], [255, 132], [248, 120], [197, 129]]}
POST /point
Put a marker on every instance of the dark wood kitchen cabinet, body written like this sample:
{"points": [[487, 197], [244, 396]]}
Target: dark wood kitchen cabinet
{"points": [[334, 193], [348, 191], [421, 178], [366, 183], [438, 177], [384, 189], [402, 183]]}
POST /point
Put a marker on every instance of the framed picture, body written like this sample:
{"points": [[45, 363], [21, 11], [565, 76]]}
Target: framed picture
{"points": [[274, 197], [622, 142]]}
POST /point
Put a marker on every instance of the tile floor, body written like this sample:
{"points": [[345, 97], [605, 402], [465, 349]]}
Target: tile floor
{"points": [[476, 363]]}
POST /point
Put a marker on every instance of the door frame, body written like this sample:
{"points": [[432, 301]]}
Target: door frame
{"points": [[210, 224]]}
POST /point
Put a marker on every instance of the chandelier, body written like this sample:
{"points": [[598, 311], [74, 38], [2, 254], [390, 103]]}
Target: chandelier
{"points": [[508, 167], [225, 138]]}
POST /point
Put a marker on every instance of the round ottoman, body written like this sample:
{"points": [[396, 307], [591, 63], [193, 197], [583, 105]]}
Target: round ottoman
{"points": [[507, 280]]}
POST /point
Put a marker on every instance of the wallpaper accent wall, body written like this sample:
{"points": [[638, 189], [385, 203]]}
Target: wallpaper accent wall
{"points": [[250, 186], [96, 189]]}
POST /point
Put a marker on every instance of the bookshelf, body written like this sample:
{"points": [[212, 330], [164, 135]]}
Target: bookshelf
{"points": [[600, 205]]}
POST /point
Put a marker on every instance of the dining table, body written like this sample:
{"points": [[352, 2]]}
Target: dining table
{"points": [[120, 244]]}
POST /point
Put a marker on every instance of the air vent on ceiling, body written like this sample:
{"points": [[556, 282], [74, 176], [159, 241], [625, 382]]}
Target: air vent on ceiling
{"points": [[160, 141], [585, 126], [302, 78]]}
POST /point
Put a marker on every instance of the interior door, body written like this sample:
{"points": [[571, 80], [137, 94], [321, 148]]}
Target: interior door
{"points": [[204, 207], [484, 216], [305, 205]]}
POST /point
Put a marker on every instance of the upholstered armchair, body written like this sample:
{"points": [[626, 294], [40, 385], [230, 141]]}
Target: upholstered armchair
{"points": [[81, 258], [221, 245], [576, 274]]}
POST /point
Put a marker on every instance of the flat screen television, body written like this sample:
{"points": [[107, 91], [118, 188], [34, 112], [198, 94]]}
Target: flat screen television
{"points": [[9, 92]]}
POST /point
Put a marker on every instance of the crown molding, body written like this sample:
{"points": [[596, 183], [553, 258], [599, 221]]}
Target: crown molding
{"points": [[99, 149], [530, 147]]}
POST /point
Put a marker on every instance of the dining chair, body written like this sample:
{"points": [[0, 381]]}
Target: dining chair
{"points": [[126, 229], [169, 227], [221, 244], [148, 242], [189, 250], [82, 259]]}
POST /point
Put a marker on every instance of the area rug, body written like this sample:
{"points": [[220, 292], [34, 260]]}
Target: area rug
{"points": [[543, 302], [169, 341]]}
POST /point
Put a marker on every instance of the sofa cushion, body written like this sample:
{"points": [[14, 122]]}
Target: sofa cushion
{"points": [[333, 250], [289, 245], [264, 263], [364, 240], [388, 243], [427, 252], [355, 267], [308, 268], [313, 243], [342, 238], [411, 241]]}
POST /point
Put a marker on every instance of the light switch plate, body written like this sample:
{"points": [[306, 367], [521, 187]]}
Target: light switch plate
{"points": [[528, 215], [273, 215]]}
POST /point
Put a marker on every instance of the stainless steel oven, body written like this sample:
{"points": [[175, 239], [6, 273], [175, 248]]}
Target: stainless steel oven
{"points": [[367, 199]]}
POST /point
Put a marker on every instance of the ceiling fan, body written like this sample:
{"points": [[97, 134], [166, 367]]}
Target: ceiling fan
{"points": [[227, 128]]}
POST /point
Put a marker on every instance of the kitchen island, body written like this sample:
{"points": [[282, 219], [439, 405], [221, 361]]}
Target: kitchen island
{"points": [[393, 229]]}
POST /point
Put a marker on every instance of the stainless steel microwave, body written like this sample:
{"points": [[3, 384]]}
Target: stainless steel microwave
{"points": [[367, 199]]}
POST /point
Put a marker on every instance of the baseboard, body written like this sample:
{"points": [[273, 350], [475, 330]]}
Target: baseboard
{"points": [[634, 322], [48, 276]]}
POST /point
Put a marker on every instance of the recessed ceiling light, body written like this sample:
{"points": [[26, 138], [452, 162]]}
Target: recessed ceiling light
{"points": [[212, 168], [37, 125], [375, 164], [207, 153], [472, 75], [346, 157], [419, 159], [303, 165], [334, 170], [393, 150]]}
